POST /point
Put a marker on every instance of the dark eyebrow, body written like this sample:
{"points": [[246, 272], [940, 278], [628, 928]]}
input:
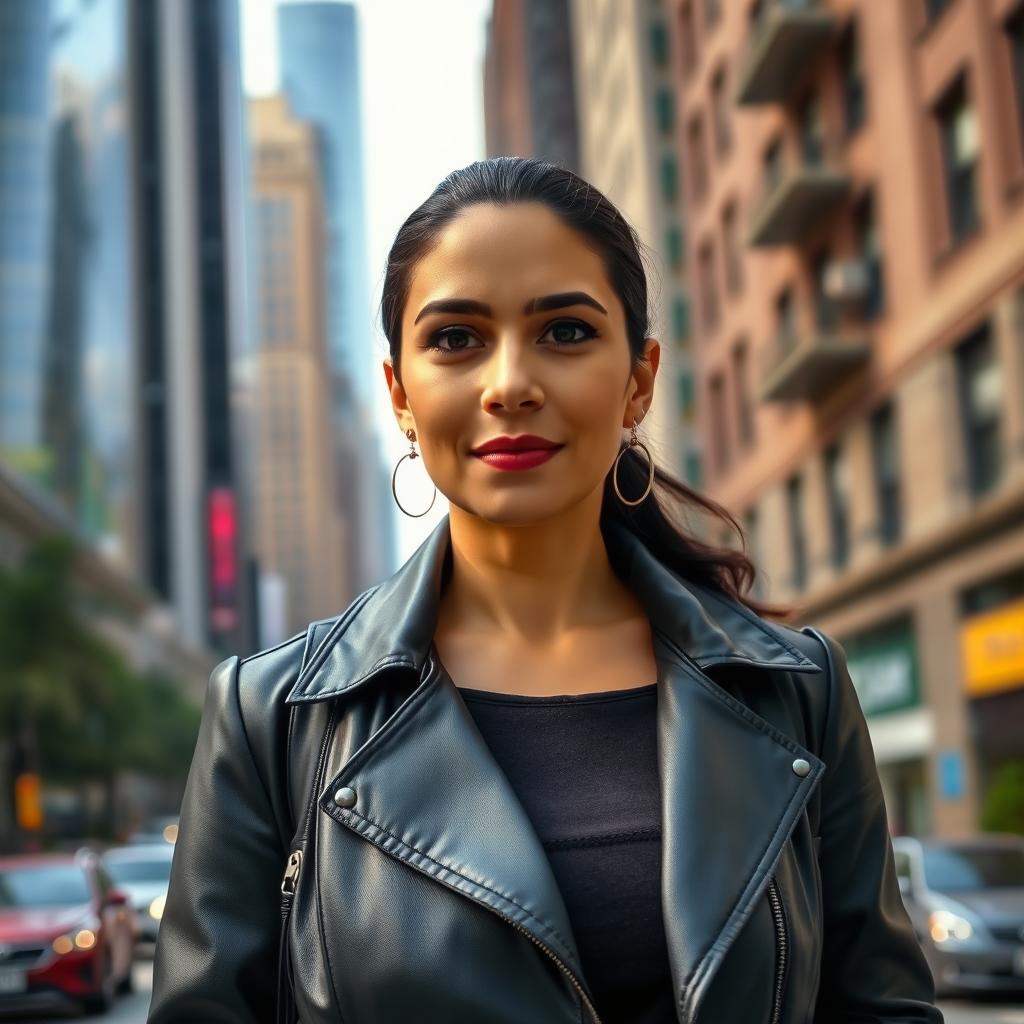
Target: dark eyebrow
{"points": [[540, 305]]}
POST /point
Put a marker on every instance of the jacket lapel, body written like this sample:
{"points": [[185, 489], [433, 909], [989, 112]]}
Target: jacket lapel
{"points": [[430, 793]]}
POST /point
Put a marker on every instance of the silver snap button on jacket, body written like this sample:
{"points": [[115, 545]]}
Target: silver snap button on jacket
{"points": [[801, 767], [345, 797]]}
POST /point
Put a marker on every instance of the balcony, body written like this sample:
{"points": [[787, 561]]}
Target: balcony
{"points": [[804, 367], [795, 201], [784, 40]]}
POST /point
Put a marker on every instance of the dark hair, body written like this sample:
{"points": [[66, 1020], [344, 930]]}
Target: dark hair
{"points": [[508, 179]]}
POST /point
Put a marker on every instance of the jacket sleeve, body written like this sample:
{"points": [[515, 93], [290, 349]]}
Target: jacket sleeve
{"points": [[872, 967], [216, 953]]}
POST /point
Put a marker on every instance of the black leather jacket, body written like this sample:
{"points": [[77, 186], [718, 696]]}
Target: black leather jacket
{"points": [[423, 894]]}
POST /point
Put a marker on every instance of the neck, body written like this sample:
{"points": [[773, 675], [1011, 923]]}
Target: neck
{"points": [[539, 584]]}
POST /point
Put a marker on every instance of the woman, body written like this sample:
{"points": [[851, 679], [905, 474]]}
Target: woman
{"points": [[554, 769]]}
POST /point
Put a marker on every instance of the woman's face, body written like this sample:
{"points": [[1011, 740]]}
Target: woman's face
{"points": [[562, 371]]}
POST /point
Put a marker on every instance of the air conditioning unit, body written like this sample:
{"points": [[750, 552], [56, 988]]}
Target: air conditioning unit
{"points": [[846, 280]]}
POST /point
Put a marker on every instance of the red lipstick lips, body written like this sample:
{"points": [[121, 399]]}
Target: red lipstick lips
{"points": [[523, 452]]}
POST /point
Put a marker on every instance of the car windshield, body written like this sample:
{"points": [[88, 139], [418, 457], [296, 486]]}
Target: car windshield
{"points": [[156, 870], [50, 885], [980, 867]]}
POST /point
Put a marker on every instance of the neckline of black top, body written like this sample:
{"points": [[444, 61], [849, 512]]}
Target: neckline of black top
{"points": [[601, 696]]}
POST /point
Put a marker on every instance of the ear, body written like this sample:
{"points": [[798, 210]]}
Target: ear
{"points": [[399, 401], [641, 393]]}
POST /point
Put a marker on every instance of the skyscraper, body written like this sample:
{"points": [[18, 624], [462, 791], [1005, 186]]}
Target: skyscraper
{"points": [[320, 77]]}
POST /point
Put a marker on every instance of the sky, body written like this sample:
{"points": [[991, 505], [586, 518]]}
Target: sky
{"points": [[421, 76]]}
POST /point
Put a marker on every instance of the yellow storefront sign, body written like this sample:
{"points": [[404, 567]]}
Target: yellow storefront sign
{"points": [[993, 649]]}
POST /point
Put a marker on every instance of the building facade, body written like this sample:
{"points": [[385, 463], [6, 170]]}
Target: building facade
{"points": [[626, 102], [320, 76], [300, 525], [855, 212], [529, 85]]}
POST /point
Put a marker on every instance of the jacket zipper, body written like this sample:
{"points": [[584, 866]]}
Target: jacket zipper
{"points": [[782, 948], [554, 956], [286, 999]]}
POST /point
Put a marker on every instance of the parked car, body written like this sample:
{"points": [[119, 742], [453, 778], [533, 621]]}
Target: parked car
{"points": [[66, 933], [966, 900], [144, 873]]}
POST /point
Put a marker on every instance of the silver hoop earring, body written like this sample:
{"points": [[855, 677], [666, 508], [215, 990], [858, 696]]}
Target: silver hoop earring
{"points": [[634, 442], [410, 454]]}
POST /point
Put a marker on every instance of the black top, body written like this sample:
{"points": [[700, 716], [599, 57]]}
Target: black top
{"points": [[585, 768]]}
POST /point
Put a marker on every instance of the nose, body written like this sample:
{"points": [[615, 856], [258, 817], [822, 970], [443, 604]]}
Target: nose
{"points": [[509, 380]]}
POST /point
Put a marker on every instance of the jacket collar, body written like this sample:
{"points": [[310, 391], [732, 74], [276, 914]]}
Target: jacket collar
{"points": [[392, 625]]}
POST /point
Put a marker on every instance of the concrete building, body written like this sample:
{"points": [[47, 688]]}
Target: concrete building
{"points": [[529, 86], [626, 104], [300, 526], [191, 324], [855, 213]]}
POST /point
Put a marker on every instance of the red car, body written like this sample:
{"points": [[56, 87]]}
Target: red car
{"points": [[66, 933]]}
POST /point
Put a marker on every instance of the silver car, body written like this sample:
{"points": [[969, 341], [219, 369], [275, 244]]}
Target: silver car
{"points": [[143, 872], [966, 900]]}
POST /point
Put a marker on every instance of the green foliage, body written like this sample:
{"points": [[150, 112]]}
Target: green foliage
{"points": [[1003, 806], [67, 692]]}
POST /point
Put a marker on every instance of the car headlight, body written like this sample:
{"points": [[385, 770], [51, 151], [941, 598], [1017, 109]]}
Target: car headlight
{"points": [[78, 939], [156, 908], [945, 926]]}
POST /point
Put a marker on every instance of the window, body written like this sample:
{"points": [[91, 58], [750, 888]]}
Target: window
{"points": [[854, 96], [688, 36], [719, 423], [686, 394], [659, 44], [698, 158], [870, 245], [771, 164], [744, 406], [681, 318], [958, 132], [674, 247], [669, 178], [693, 470], [664, 106], [837, 491], [721, 113], [885, 459], [797, 541], [1015, 39], [980, 394], [733, 252], [785, 320], [812, 131], [933, 9], [708, 286], [826, 310], [752, 528]]}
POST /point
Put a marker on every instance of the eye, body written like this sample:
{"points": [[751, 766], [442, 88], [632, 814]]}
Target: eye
{"points": [[563, 326], [458, 333]]}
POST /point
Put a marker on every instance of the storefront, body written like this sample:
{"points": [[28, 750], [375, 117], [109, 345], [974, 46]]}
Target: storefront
{"points": [[992, 648], [883, 665]]}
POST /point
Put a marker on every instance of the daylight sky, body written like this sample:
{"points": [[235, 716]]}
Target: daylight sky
{"points": [[421, 83]]}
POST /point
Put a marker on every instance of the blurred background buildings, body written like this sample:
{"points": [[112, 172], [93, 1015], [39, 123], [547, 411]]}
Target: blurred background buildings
{"points": [[855, 212], [832, 194]]}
